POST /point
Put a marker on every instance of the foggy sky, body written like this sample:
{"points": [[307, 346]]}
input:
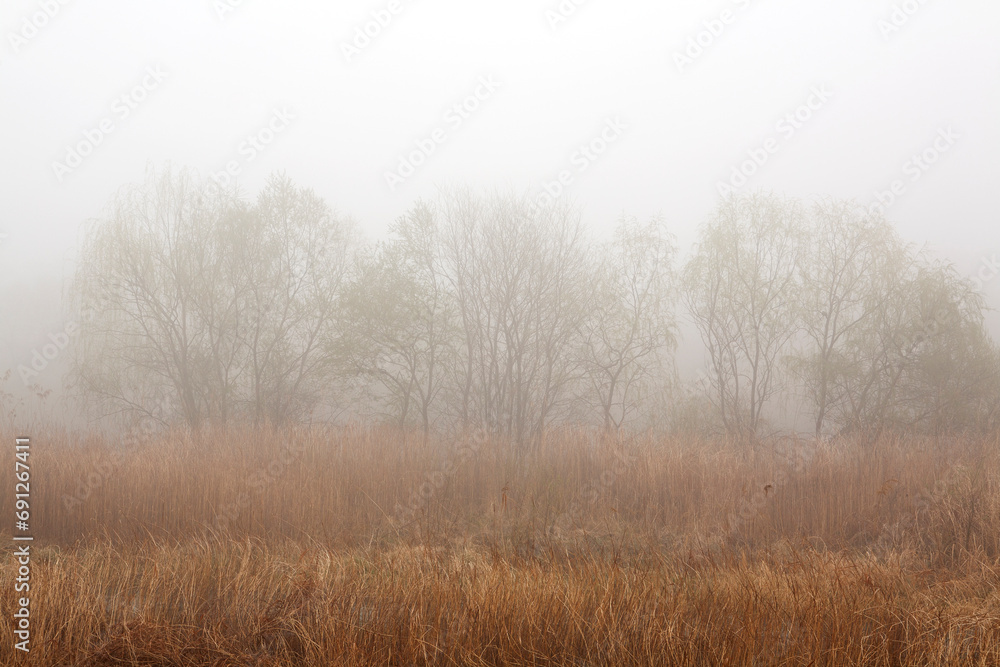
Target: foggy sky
{"points": [[210, 75]]}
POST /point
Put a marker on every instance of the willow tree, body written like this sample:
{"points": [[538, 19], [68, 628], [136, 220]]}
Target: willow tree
{"points": [[925, 362], [850, 275]]}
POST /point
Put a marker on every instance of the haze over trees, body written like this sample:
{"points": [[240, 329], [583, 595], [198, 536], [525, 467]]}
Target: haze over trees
{"points": [[485, 310], [740, 287], [226, 307]]}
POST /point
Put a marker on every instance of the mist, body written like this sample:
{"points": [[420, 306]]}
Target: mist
{"points": [[840, 103], [456, 255]]}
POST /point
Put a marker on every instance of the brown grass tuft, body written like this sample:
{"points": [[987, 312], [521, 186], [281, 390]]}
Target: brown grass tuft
{"points": [[366, 547]]}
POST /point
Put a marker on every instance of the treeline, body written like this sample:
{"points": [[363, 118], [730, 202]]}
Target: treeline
{"points": [[485, 310]]}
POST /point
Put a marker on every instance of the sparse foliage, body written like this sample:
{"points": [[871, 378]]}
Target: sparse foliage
{"points": [[484, 310], [221, 304], [740, 288], [631, 330]]}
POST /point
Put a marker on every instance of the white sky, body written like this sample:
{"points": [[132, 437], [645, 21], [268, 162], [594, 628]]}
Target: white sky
{"points": [[685, 131]]}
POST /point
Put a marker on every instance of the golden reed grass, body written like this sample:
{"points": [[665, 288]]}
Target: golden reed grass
{"points": [[366, 546]]}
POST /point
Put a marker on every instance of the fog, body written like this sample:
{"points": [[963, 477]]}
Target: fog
{"points": [[641, 109]]}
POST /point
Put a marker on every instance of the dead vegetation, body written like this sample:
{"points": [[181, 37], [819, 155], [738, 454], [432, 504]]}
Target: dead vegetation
{"points": [[364, 547]]}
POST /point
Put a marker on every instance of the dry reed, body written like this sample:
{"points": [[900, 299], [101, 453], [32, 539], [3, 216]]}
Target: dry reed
{"points": [[366, 546]]}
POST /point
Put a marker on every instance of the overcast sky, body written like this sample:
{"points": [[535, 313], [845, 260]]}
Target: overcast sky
{"points": [[668, 98]]}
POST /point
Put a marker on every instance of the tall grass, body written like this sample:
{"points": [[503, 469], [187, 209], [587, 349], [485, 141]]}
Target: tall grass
{"points": [[369, 546]]}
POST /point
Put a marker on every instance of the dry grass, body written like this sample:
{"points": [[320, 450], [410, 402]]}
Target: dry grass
{"points": [[261, 547]]}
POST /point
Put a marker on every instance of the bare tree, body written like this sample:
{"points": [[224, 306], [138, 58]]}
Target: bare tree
{"points": [[518, 275], [631, 323], [851, 260], [924, 362], [401, 318], [740, 289], [138, 277], [485, 310], [292, 268], [222, 305]]}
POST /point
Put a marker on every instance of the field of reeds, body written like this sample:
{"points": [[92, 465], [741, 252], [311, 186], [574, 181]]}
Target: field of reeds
{"points": [[363, 546]]}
